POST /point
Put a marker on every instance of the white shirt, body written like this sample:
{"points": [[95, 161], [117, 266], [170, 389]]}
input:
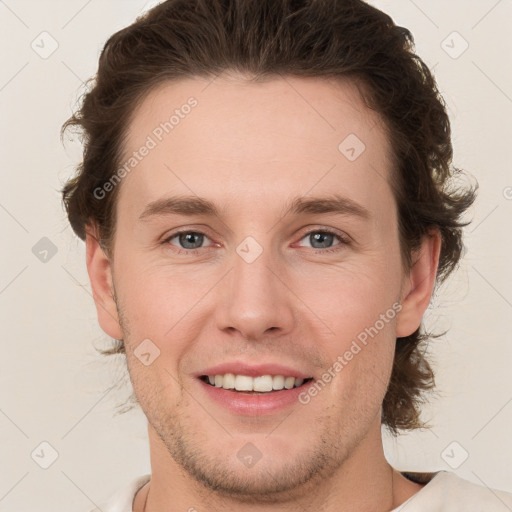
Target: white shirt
{"points": [[444, 492]]}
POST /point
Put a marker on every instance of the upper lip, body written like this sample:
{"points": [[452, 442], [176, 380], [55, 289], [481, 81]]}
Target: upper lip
{"points": [[253, 370]]}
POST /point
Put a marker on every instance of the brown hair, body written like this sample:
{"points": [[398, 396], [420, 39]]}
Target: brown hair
{"points": [[267, 38]]}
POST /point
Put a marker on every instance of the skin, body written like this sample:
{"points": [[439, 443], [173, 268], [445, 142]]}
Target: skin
{"points": [[249, 148]]}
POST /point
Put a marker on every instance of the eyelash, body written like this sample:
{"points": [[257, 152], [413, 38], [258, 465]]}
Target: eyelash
{"points": [[344, 240]]}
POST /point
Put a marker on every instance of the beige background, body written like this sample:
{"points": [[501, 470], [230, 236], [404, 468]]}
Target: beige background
{"points": [[53, 385]]}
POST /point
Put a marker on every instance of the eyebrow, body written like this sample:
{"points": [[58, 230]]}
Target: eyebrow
{"points": [[194, 205]]}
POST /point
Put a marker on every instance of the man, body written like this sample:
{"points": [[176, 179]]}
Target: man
{"points": [[265, 199]]}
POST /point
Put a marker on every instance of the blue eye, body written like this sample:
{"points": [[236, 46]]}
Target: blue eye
{"points": [[321, 237], [325, 238], [190, 242]]}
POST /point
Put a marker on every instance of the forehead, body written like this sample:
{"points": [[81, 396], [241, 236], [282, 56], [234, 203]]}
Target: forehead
{"points": [[282, 136]]}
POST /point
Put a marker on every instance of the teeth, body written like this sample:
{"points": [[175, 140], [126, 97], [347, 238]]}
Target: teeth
{"points": [[262, 384], [278, 382], [289, 382], [228, 382]]}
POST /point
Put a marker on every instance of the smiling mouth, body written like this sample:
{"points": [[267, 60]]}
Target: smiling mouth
{"points": [[262, 385]]}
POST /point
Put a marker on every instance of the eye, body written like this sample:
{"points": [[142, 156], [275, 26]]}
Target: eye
{"points": [[322, 240], [189, 241]]}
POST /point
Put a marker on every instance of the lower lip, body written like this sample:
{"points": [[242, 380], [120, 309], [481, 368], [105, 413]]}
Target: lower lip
{"points": [[254, 404]]}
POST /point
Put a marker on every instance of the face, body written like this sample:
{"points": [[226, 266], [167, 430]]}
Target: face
{"points": [[258, 237]]}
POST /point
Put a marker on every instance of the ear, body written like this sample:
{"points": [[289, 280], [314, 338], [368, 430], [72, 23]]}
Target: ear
{"points": [[418, 284], [100, 275]]}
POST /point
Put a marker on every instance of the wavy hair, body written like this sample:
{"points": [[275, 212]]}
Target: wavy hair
{"points": [[338, 39]]}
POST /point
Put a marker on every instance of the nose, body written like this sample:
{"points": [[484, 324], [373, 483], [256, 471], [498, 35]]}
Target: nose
{"points": [[255, 298]]}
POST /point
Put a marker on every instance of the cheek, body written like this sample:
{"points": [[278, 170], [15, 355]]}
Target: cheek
{"points": [[358, 308], [167, 307], [362, 367], [155, 298], [352, 297]]}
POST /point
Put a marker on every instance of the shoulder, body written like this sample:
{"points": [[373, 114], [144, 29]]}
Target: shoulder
{"points": [[445, 491], [122, 499]]}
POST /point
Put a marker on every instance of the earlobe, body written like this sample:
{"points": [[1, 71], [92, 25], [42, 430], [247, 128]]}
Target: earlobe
{"points": [[100, 275], [419, 284]]}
